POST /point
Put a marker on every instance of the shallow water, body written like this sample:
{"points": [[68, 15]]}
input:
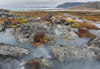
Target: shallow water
{"points": [[45, 51]]}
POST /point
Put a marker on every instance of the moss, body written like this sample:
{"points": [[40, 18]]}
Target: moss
{"points": [[76, 25], [85, 25]]}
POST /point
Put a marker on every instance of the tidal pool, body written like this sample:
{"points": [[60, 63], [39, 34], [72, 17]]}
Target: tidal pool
{"points": [[45, 51]]}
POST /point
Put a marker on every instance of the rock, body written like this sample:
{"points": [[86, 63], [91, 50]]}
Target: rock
{"points": [[44, 62], [10, 63], [62, 52], [6, 13], [39, 63], [68, 34], [12, 51], [62, 28], [49, 16], [69, 23], [2, 27], [38, 19], [25, 32], [94, 44], [61, 21], [8, 22]]}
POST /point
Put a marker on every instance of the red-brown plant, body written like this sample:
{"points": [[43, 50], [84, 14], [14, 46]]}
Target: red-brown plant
{"points": [[84, 33]]}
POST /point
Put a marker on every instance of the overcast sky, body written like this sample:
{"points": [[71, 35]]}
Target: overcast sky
{"points": [[35, 3]]}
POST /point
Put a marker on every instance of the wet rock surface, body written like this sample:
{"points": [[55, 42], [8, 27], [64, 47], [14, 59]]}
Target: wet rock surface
{"points": [[68, 34], [44, 62], [10, 63], [2, 27], [25, 32], [94, 44], [12, 51], [38, 63], [61, 52]]}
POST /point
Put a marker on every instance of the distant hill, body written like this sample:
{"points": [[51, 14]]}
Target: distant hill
{"points": [[70, 4], [91, 5]]}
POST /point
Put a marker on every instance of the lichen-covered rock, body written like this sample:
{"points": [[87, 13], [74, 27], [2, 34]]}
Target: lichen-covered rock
{"points": [[25, 32], [94, 44], [62, 53], [39, 63], [12, 51], [68, 34]]}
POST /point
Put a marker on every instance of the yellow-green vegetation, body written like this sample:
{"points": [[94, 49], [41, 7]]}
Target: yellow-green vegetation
{"points": [[23, 21], [72, 21], [85, 25]]}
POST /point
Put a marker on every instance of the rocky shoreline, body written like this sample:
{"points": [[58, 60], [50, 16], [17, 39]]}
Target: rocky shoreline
{"points": [[40, 30]]}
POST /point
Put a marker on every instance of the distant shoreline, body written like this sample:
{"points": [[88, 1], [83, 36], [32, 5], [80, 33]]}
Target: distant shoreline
{"points": [[52, 9]]}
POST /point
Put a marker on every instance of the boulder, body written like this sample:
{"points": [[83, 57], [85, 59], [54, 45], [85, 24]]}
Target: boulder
{"points": [[2, 27], [12, 51], [25, 32], [68, 34], [61, 52], [94, 44]]}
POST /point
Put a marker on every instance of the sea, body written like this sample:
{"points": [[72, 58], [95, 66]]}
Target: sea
{"points": [[35, 9]]}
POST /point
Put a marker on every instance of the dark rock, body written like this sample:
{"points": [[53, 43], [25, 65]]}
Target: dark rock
{"points": [[69, 23], [61, 21], [8, 22], [2, 27]]}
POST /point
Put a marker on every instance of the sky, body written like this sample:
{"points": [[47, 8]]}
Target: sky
{"points": [[36, 3]]}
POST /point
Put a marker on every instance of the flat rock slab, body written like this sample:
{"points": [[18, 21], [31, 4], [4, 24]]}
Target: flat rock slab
{"points": [[62, 53], [12, 51]]}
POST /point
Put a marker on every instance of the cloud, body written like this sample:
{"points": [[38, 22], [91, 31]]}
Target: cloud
{"points": [[35, 3]]}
